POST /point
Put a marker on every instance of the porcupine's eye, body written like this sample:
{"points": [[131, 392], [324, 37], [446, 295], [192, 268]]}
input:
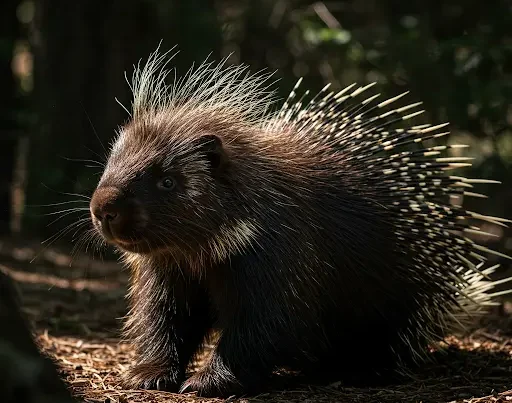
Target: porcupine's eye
{"points": [[167, 183]]}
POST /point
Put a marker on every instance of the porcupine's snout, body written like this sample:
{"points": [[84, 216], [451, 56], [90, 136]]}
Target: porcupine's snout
{"points": [[116, 215]]}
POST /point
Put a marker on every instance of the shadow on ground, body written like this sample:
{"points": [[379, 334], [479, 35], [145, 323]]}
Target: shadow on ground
{"points": [[77, 311]]}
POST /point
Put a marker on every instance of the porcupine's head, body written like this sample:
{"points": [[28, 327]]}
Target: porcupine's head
{"points": [[168, 182]]}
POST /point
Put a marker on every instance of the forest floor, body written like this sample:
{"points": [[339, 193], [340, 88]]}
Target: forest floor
{"points": [[77, 314]]}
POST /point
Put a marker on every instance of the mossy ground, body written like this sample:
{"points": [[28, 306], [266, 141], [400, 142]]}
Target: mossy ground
{"points": [[77, 314]]}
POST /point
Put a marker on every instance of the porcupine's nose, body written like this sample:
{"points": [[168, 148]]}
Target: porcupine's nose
{"points": [[105, 206]]}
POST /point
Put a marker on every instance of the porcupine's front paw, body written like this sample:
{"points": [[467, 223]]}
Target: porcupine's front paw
{"points": [[208, 382], [152, 376]]}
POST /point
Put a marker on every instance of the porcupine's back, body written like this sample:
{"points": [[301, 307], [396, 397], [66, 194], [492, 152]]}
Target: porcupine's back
{"points": [[385, 162], [361, 227]]}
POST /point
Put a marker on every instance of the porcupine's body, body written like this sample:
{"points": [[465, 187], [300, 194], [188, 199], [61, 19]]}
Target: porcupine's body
{"points": [[308, 237]]}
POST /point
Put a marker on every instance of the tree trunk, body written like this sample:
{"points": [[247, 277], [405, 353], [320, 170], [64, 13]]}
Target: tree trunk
{"points": [[10, 104]]}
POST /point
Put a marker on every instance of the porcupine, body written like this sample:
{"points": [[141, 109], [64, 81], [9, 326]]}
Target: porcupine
{"points": [[310, 236]]}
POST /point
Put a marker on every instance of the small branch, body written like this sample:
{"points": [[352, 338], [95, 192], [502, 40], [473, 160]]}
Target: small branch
{"points": [[325, 15], [277, 14]]}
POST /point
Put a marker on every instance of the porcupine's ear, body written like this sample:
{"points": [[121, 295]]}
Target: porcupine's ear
{"points": [[211, 146]]}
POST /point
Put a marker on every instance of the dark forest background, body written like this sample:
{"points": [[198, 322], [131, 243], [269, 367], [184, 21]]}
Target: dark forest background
{"points": [[62, 65]]}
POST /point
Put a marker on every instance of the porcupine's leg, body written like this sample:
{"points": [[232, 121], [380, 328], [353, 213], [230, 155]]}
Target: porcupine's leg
{"points": [[246, 351], [168, 320], [237, 365]]}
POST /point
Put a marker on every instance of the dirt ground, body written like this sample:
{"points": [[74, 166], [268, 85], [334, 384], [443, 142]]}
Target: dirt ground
{"points": [[77, 312]]}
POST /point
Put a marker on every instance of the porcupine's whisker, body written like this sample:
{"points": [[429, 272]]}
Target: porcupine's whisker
{"points": [[58, 203], [61, 233]]}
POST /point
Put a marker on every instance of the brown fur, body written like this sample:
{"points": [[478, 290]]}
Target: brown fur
{"points": [[263, 178], [299, 250]]}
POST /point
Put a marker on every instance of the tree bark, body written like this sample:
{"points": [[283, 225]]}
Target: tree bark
{"points": [[10, 103]]}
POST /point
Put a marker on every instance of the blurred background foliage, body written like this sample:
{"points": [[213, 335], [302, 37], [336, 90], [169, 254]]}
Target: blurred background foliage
{"points": [[62, 67]]}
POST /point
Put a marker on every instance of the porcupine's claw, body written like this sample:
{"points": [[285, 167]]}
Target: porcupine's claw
{"points": [[151, 377], [208, 383]]}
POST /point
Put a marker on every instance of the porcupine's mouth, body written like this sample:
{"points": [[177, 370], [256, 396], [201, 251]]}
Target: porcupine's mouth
{"points": [[115, 238], [150, 248], [140, 246], [108, 236], [130, 246], [127, 244], [130, 239]]}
